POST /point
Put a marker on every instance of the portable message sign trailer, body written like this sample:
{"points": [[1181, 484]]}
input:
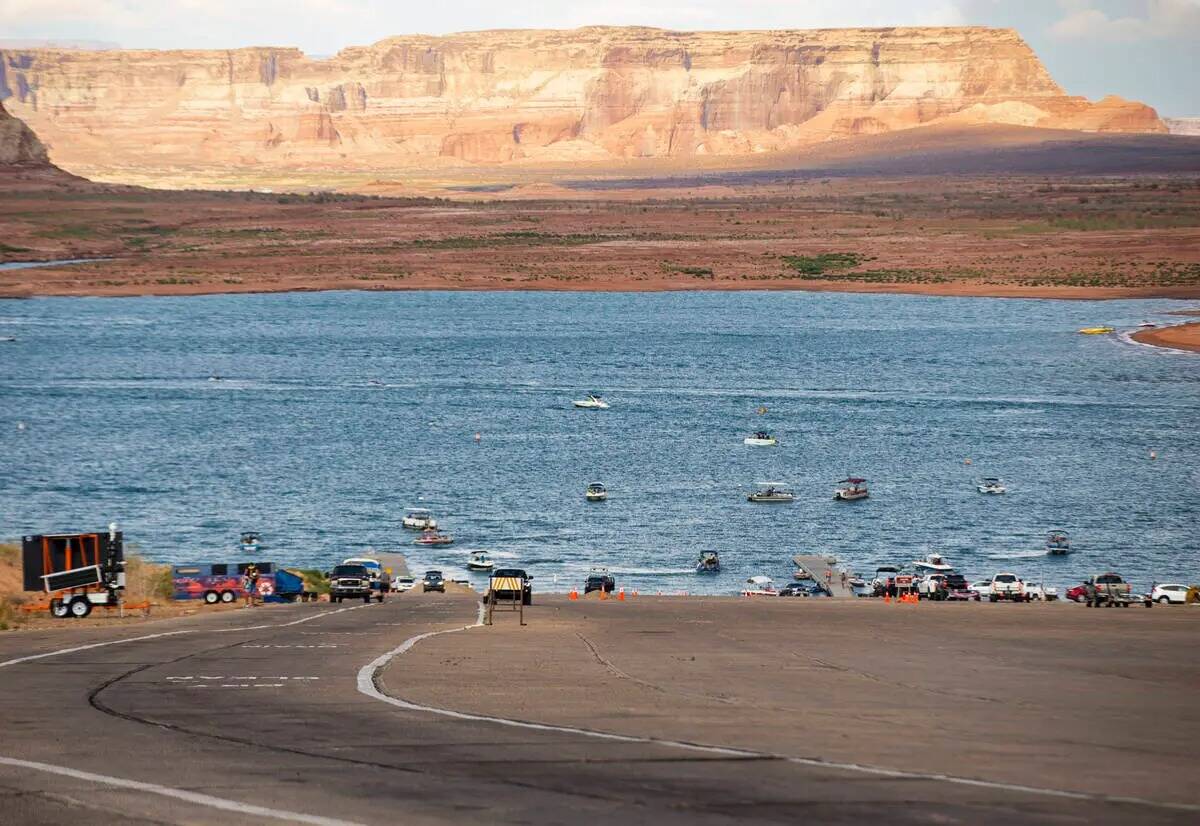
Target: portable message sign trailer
{"points": [[80, 570], [508, 591]]}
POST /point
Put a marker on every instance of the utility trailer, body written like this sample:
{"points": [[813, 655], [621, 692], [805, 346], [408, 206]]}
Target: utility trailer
{"points": [[77, 570], [216, 582]]}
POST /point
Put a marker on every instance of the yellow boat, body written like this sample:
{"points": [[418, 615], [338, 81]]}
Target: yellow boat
{"points": [[1096, 331]]}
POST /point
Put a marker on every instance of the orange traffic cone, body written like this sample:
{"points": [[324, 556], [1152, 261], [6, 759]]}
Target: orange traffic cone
{"points": [[887, 598], [621, 595], [574, 593], [603, 595]]}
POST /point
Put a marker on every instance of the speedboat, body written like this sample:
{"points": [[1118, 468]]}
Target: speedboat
{"points": [[480, 561], [419, 519], [991, 485], [251, 542], [596, 492], [592, 402], [771, 492], [760, 586], [802, 574], [852, 490], [1096, 331], [1146, 325], [709, 563], [933, 563], [1058, 543], [761, 439], [431, 537]]}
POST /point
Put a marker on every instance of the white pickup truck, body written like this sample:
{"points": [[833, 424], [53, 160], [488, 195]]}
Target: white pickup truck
{"points": [[1007, 586]]}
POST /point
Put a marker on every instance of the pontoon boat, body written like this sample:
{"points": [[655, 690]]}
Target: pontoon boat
{"points": [[592, 402], [479, 561], [852, 490], [992, 485], [251, 542], [772, 492], [419, 519], [432, 537], [759, 586], [596, 492], [885, 575], [1058, 543], [761, 439], [709, 563]]}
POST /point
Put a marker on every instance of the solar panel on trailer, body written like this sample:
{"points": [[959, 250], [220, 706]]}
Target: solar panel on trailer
{"points": [[76, 578]]}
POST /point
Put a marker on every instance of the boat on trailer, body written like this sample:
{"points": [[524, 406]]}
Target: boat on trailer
{"points": [[760, 586]]}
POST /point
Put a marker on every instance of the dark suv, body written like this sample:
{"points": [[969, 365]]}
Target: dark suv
{"points": [[600, 582], [433, 582], [515, 573]]}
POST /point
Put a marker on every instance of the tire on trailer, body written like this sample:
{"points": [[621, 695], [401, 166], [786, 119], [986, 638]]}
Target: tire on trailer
{"points": [[211, 597], [228, 597], [80, 607], [59, 609]]}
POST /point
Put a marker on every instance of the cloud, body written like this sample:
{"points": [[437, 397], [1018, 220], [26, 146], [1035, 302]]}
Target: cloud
{"points": [[1151, 20]]}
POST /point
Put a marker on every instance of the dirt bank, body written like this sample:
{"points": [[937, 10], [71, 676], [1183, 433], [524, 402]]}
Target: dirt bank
{"points": [[1177, 337]]}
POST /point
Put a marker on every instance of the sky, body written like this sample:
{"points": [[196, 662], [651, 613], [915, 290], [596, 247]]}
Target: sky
{"points": [[1147, 50]]}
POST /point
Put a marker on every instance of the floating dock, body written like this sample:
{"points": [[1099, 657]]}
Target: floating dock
{"points": [[818, 565]]}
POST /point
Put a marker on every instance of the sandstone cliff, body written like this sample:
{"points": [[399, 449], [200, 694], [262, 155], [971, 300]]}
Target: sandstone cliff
{"points": [[18, 145], [541, 97]]}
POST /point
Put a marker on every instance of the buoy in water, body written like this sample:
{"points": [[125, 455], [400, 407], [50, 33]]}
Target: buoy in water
{"points": [[967, 461], [1154, 454], [478, 437], [20, 425], [762, 409]]}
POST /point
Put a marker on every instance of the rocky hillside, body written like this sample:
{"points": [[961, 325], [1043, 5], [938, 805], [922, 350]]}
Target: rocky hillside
{"points": [[544, 97], [18, 145]]}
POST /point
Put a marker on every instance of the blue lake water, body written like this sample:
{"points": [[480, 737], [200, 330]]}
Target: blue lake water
{"points": [[121, 421]]}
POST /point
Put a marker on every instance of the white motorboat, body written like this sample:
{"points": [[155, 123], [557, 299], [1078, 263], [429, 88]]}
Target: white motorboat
{"points": [[885, 576], [419, 519], [760, 586], [596, 492], [592, 402], [761, 439], [991, 485], [772, 492], [480, 561], [1058, 543], [251, 542], [710, 563], [853, 489], [933, 563]]}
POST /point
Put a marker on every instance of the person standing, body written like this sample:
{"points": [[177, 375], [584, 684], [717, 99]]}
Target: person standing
{"points": [[250, 584]]}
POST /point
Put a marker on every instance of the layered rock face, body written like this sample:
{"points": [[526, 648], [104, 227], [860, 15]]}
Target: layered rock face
{"points": [[18, 145], [547, 97]]}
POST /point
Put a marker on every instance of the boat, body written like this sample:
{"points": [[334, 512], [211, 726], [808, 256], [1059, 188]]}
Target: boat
{"points": [[251, 542], [853, 489], [1096, 331], [592, 402], [418, 519], [480, 561], [8, 338], [991, 484], [885, 576], [710, 563], [1058, 543], [761, 439], [802, 574], [1147, 325], [771, 492], [431, 537], [760, 586], [596, 492], [933, 563]]}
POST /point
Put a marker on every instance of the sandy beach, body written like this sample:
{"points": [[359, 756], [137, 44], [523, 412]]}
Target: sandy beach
{"points": [[1177, 337]]}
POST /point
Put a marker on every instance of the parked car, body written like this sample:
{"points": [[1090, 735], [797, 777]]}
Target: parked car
{"points": [[602, 582], [433, 581], [1078, 593], [983, 588], [806, 588], [514, 573], [1169, 593], [1007, 586], [958, 589], [1035, 591], [403, 583]]}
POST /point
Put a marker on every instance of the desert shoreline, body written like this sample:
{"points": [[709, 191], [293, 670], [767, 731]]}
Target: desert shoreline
{"points": [[1176, 337]]}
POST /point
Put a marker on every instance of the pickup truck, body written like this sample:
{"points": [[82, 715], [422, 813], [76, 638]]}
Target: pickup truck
{"points": [[1109, 589], [946, 587], [350, 582], [381, 583], [1007, 586]]}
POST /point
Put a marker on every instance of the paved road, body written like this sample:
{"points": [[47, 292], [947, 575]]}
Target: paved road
{"points": [[223, 719]]}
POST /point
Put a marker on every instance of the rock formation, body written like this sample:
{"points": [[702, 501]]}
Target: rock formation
{"points": [[18, 145], [540, 97]]}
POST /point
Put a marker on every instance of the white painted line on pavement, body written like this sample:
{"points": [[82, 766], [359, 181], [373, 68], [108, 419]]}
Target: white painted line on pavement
{"points": [[366, 685], [178, 794], [90, 646]]}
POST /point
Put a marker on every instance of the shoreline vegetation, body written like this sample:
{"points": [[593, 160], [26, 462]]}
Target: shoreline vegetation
{"points": [[999, 236]]}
